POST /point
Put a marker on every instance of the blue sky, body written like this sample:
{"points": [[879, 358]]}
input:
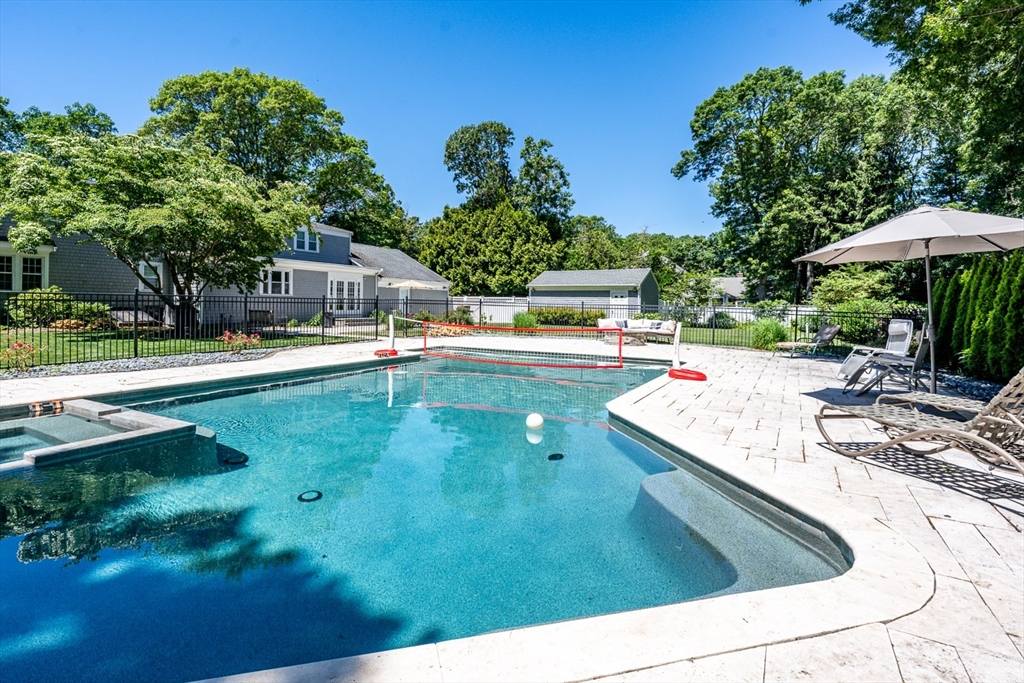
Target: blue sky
{"points": [[612, 85]]}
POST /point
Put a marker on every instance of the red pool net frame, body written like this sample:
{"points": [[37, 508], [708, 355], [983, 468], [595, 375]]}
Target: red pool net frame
{"points": [[434, 337]]}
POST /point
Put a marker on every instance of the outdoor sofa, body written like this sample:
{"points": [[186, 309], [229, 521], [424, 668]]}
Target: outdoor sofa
{"points": [[640, 329]]}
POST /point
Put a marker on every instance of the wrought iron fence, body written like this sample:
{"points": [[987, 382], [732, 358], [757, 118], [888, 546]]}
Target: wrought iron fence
{"points": [[47, 328]]}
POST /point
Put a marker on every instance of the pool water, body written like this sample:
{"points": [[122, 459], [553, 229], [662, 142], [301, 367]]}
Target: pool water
{"points": [[429, 515]]}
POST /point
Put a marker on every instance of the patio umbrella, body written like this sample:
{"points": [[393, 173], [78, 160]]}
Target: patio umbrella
{"points": [[924, 232]]}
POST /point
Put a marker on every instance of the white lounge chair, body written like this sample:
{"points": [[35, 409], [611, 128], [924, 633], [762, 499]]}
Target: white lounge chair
{"points": [[897, 344]]}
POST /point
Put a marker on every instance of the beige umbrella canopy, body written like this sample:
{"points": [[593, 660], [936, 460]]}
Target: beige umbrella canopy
{"points": [[922, 233]]}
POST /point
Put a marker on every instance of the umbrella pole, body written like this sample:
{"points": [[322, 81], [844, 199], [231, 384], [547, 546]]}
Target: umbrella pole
{"points": [[931, 325]]}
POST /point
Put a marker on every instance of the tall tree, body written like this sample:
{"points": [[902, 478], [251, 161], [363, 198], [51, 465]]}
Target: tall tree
{"points": [[478, 157], [77, 118], [591, 244], [277, 131], [542, 186], [202, 218], [969, 54], [493, 251]]}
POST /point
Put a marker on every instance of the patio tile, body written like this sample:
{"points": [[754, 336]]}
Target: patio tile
{"points": [[922, 660], [957, 616], [928, 542], [858, 654], [946, 504], [743, 666]]}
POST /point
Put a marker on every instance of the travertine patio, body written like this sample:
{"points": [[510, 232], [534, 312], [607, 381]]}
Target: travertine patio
{"points": [[936, 593]]}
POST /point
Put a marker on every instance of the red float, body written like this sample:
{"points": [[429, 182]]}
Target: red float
{"points": [[682, 373]]}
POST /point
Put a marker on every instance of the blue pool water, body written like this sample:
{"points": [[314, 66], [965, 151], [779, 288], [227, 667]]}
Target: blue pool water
{"points": [[437, 518]]}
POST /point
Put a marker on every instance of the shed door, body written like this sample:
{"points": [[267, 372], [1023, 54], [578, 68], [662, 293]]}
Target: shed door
{"points": [[619, 303]]}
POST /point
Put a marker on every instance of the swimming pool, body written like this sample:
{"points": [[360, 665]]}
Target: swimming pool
{"points": [[430, 516]]}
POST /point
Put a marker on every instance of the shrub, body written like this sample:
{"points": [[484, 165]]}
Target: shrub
{"points": [[317, 320], [767, 333], [646, 316], [89, 312], [524, 320], [850, 283], [864, 321], [774, 308], [425, 316], [291, 323], [459, 316], [239, 341], [721, 321], [565, 315], [39, 307], [18, 356], [807, 323]]}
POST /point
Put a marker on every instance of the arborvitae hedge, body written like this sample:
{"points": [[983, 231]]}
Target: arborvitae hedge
{"points": [[980, 318]]}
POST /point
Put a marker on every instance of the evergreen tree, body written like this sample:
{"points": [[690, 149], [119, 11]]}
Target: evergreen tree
{"points": [[947, 319], [1013, 319], [961, 327], [996, 324], [975, 327]]}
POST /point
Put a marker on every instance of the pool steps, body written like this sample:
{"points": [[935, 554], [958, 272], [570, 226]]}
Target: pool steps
{"points": [[134, 429]]}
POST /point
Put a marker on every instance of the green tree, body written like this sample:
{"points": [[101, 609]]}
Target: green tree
{"points": [[947, 319], [487, 251], [850, 283], [77, 118], [478, 157], [208, 223], [592, 244], [969, 53], [1012, 333], [277, 131], [542, 186]]}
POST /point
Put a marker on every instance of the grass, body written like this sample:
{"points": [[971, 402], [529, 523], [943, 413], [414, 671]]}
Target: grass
{"points": [[58, 348]]}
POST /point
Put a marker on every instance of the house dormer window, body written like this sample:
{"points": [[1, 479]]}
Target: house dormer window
{"points": [[305, 240]]}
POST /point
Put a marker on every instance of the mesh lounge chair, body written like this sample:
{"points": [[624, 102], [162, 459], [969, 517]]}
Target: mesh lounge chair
{"points": [[898, 344], [947, 404], [997, 425], [885, 365], [822, 338]]}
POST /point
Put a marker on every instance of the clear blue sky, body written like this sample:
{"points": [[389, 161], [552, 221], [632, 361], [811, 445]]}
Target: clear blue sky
{"points": [[612, 85]]}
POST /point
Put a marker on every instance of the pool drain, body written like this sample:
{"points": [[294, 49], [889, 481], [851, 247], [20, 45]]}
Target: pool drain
{"points": [[555, 456], [236, 459], [310, 496]]}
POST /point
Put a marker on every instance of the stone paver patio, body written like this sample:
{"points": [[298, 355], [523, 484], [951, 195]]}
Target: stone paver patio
{"points": [[949, 606]]}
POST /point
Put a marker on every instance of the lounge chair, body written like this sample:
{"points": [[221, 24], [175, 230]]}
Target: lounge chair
{"points": [[822, 338], [897, 344], [947, 404], [885, 365], [997, 425]]}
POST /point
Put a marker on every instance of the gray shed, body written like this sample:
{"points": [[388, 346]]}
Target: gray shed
{"points": [[624, 286]]}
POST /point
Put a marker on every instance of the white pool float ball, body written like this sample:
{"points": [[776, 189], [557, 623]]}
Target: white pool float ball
{"points": [[534, 436], [534, 421]]}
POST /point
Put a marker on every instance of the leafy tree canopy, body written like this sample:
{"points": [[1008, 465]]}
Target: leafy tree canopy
{"points": [[969, 54], [478, 158], [77, 118], [277, 131], [205, 220], [488, 251], [542, 186]]}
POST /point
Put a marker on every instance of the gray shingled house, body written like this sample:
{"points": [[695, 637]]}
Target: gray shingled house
{"points": [[633, 287], [399, 275], [307, 268]]}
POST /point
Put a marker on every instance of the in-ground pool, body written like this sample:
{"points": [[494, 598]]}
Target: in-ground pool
{"points": [[358, 513]]}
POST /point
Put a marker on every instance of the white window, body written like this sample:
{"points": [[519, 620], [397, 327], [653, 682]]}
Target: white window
{"points": [[151, 274], [6, 273], [20, 272], [31, 273], [277, 282], [306, 240], [353, 290]]}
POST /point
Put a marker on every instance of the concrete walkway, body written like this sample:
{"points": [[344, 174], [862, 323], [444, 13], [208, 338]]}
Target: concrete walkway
{"points": [[952, 528]]}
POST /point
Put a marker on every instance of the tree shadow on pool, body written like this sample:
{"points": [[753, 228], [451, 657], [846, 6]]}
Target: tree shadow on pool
{"points": [[184, 598]]}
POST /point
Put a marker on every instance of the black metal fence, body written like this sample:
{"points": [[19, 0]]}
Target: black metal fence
{"points": [[47, 328]]}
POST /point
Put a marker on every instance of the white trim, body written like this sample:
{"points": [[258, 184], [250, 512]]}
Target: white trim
{"points": [[287, 282], [330, 229], [310, 237], [576, 288], [17, 261], [297, 264]]}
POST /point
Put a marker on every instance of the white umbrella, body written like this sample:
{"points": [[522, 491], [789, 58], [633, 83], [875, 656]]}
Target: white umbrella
{"points": [[924, 232]]}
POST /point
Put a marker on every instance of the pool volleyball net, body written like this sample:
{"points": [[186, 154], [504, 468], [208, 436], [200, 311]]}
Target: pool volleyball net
{"points": [[549, 347]]}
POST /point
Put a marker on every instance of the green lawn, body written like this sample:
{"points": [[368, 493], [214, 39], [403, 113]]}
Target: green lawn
{"points": [[57, 348]]}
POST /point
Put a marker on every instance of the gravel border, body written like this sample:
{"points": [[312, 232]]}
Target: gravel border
{"points": [[131, 364]]}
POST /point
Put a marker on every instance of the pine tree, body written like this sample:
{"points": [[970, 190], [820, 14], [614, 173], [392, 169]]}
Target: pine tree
{"points": [[962, 326], [996, 346], [1013, 320], [947, 319], [977, 323]]}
